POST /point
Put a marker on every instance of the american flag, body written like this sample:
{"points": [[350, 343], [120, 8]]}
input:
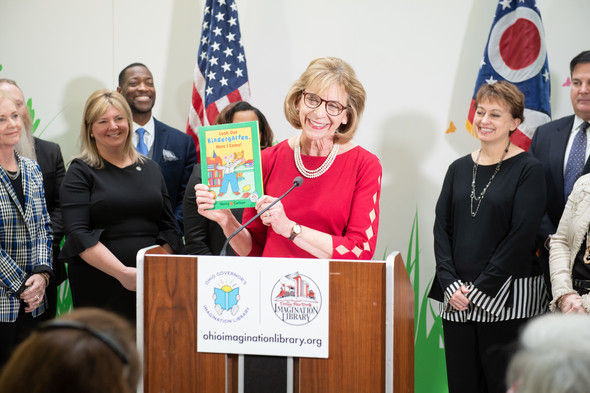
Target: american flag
{"points": [[220, 76], [516, 52]]}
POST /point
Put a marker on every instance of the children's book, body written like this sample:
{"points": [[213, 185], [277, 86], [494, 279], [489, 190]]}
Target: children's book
{"points": [[230, 163]]}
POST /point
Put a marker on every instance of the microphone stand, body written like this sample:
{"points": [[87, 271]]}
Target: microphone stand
{"points": [[296, 183]]}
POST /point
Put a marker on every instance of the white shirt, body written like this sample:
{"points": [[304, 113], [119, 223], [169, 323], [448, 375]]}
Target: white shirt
{"points": [[577, 123], [149, 135]]}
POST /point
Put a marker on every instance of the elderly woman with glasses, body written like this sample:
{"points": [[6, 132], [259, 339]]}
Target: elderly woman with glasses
{"points": [[334, 214]]}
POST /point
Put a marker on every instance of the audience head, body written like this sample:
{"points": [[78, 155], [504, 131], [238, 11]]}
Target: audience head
{"points": [[26, 144], [105, 111], [136, 84], [242, 111], [580, 89], [320, 75], [505, 94], [554, 356], [89, 350]]}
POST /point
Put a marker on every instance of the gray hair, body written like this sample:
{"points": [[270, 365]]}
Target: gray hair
{"points": [[554, 356]]}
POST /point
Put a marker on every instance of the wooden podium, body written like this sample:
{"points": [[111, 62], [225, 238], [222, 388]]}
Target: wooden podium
{"points": [[371, 331]]}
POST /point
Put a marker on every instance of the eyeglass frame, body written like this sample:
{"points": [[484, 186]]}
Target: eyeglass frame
{"points": [[305, 93]]}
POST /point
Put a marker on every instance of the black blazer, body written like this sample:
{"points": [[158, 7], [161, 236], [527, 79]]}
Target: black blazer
{"points": [[548, 146], [51, 162]]}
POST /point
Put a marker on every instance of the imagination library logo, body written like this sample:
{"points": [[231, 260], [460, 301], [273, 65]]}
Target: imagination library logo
{"points": [[225, 294], [296, 299]]}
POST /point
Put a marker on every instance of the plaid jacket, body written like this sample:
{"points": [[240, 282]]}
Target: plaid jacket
{"points": [[25, 237]]}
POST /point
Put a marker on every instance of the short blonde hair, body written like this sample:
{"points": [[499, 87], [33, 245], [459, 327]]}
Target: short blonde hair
{"points": [[321, 74], [96, 106]]}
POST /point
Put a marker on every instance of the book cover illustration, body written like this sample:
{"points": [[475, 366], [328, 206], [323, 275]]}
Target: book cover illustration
{"points": [[230, 163]]}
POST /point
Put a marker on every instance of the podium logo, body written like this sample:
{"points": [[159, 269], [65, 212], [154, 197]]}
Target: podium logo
{"points": [[225, 286], [296, 299]]}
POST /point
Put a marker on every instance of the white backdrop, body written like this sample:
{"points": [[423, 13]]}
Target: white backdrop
{"points": [[417, 59]]}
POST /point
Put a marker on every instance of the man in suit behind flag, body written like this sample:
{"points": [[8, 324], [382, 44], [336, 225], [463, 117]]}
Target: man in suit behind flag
{"points": [[172, 149], [220, 76], [516, 52]]}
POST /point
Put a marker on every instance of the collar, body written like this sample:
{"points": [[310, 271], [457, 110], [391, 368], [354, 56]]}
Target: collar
{"points": [[149, 127], [577, 123]]}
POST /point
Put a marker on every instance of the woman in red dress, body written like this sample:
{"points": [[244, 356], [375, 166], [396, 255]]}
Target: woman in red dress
{"points": [[334, 214]]}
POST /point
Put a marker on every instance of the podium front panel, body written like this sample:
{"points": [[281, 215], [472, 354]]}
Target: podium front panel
{"points": [[358, 356]]}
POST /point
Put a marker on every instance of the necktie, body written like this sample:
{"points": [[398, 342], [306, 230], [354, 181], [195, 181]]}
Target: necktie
{"points": [[141, 146], [575, 161]]}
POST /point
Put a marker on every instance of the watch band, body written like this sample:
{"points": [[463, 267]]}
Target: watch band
{"points": [[295, 230]]}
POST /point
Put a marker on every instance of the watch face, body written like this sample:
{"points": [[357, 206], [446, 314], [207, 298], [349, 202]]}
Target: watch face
{"points": [[296, 230]]}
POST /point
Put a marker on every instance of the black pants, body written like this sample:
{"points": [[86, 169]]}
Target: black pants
{"points": [[477, 354], [13, 333]]}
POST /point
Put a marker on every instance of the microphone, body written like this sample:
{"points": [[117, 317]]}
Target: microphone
{"points": [[296, 183]]}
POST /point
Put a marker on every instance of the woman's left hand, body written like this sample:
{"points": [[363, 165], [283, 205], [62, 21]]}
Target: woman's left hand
{"points": [[274, 217], [34, 293]]}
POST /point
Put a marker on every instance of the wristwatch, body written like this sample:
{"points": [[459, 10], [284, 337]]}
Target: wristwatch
{"points": [[296, 230]]}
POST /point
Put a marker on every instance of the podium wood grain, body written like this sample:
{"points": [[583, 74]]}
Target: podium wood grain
{"points": [[356, 360], [172, 363]]}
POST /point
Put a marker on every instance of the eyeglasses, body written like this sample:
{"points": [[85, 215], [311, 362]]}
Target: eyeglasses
{"points": [[333, 108]]}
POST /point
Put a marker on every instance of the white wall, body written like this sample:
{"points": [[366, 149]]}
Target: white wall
{"points": [[417, 59]]}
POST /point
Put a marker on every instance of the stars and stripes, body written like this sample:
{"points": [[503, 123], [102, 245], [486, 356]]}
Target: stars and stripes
{"points": [[220, 76], [516, 52]]}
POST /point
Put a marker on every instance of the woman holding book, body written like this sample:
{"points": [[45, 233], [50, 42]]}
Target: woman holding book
{"points": [[114, 203], [203, 236], [335, 213]]}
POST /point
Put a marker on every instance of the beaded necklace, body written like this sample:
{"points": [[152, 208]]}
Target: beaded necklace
{"points": [[483, 192]]}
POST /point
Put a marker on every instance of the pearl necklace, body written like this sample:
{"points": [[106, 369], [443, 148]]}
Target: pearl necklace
{"points": [[310, 174], [483, 192]]}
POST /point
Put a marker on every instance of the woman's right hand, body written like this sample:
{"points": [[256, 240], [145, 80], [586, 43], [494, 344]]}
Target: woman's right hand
{"points": [[572, 304], [128, 278], [459, 301], [206, 202]]}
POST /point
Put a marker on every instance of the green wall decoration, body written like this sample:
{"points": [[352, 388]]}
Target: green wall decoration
{"points": [[32, 112], [429, 356]]}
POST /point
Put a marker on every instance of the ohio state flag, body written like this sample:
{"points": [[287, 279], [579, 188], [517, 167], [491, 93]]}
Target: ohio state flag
{"points": [[516, 52]]}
